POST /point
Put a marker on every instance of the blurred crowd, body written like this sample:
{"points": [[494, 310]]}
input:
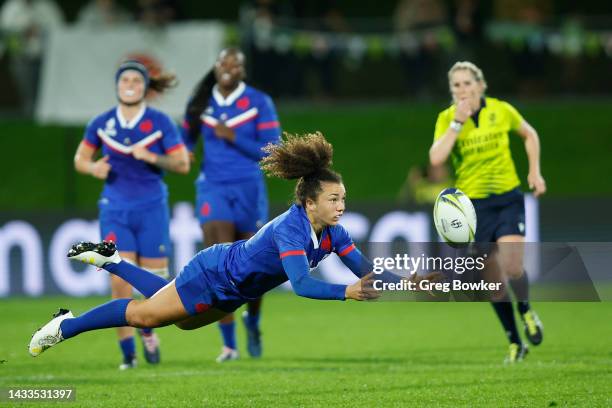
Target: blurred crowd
{"points": [[316, 48]]}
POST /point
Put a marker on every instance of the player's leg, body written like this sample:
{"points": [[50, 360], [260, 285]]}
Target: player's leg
{"points": [[105, 255], [502, 305], [217, 232], [488, 215], [250, 319], [161, 310], [212, 315], [150, 339], [215, 213], [192, 283], [511, 255], [153, 240], [115, 227], [120, 289], [249, 219], [511, 244]]}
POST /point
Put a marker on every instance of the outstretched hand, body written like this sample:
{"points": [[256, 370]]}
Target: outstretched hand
{"points": [[363, 289], [430, 277]]}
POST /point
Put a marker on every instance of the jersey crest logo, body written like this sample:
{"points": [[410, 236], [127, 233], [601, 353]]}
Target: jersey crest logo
{"points": [[492, 118], [243, 103], [146, 126], [110, 127]]}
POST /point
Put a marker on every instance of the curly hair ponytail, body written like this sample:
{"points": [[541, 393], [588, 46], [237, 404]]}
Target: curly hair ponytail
{"points": [[307, 158]]}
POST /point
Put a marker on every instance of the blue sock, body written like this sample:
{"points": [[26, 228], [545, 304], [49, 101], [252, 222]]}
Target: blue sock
{"points": [[146, 282], [146, 331], [253, 320], [228, 333], [110, 314], [128, 348]]}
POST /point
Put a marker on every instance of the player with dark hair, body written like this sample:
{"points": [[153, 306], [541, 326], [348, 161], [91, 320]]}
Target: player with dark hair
{"points": [[221, 278], [138, 143], [236, 121], [474, 133]]}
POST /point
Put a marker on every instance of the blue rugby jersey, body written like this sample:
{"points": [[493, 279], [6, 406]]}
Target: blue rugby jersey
{"points": [[132, 183], [251, 114], [287, 248]]}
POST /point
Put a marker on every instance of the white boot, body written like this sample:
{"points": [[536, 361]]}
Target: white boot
{"points": [[95, 254], [50, 334]]}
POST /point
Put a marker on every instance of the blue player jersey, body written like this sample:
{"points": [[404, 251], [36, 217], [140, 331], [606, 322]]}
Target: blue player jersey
{"points": [[251, 114], [285, 248], [132, 183]]}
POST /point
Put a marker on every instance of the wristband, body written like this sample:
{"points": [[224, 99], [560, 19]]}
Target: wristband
{"points": [[456, 126]]}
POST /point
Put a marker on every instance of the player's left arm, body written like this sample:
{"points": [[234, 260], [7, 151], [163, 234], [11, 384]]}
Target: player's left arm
{"points": [[354, 259], [176, 157], [361, 266], [267, 127], [532, 147]]}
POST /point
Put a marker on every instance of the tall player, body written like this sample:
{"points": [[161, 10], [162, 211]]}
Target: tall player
{"points": [[474, 133], [137, 144], [236, 122]]}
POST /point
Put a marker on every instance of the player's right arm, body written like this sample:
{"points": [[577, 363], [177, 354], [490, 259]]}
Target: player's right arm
{"points": [[445, 135], [84, 161]]}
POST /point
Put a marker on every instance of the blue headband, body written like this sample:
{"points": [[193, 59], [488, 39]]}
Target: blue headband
{"points": [[135, 66]]}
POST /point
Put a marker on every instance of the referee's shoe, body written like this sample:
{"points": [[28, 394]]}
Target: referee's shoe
{"points": [[534, 330]]}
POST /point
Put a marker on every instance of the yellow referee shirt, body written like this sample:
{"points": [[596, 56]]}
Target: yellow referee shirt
{"points": [[481, 156]]}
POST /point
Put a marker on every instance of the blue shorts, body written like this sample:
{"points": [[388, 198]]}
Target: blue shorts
{"points": [[499, 215], [202, 284], [144, 231], [243, 203]]}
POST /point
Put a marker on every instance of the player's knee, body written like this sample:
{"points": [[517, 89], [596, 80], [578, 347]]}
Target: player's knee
{"points": [[513, 269], [140, 316]]}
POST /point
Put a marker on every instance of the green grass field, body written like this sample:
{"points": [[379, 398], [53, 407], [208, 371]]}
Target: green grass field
{"points": [[329, 354]]}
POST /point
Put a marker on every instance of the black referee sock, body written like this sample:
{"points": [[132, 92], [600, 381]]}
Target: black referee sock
{"points": [[505, 313], [520, 288]]}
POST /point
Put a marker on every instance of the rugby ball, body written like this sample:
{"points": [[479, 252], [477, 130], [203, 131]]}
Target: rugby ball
{"points": [[454, 217]]}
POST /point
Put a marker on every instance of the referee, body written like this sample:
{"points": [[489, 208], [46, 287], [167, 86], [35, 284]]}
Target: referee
{"points": [[473, 131]]}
